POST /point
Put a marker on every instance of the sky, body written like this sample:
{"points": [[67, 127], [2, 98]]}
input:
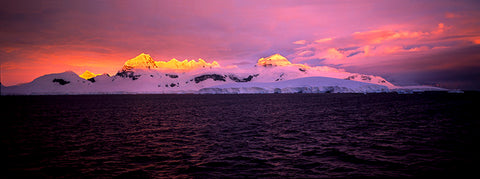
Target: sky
{"points": [[407, 42]]}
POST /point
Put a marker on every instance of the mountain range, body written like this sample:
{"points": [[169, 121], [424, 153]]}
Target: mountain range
{"points": [[273, 74]]}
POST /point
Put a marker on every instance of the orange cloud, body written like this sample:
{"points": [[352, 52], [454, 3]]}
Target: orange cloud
{"points": [[379, 36], [418, 49], [389, 49], [333, 53], [366, 50], [450, 15], [440, 29], [441, 26], [9, 49], [300, 42]]}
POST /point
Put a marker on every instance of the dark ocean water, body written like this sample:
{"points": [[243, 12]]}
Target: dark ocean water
{"points": [[211, 136]]}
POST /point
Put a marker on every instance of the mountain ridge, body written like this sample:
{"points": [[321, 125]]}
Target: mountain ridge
{"points": [[145, 61], [142, 74]]}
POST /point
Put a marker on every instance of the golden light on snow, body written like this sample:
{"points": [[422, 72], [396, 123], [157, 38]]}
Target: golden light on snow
{"points": [[87, 75], [274, 60], [185, 64], [145, 61]]}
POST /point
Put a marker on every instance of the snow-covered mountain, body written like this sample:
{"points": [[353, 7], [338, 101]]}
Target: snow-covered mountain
{"points": [[274, 74]]}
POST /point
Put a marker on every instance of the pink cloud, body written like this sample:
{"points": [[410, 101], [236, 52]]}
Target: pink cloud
{"points": [[359, 47], [323, 40], [300, 42]]}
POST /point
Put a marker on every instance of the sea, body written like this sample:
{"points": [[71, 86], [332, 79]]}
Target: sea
{"points": [[241, 136]]}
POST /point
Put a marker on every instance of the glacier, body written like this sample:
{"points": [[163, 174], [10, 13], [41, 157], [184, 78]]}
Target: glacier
{"points": [[301, 85]]}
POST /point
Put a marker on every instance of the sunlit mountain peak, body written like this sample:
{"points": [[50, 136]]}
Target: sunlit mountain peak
{"points": [[274, 60], [142, 61], [87, 75], [145, 61], [174, 64]]}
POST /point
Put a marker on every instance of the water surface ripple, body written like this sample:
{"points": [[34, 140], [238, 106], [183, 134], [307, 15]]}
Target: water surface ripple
{"points": [[275, 135]]}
